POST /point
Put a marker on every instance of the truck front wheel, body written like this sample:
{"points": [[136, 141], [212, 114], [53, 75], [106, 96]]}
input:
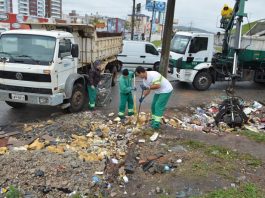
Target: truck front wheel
{"points": [[77, 101], [16, 105], [202, 81]]}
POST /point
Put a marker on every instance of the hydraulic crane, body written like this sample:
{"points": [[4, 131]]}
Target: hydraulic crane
{"points": [[231, 110]]}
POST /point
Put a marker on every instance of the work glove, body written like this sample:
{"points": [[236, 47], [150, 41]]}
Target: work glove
{"points": [[144, 87], [133, 89], [141, 99]]}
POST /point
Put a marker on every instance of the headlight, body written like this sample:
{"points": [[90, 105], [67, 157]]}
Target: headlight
{"points": [[43, 100]]}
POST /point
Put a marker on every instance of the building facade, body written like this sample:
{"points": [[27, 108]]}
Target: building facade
{"points": [[6, 6], [53, 9], [31, 7]]}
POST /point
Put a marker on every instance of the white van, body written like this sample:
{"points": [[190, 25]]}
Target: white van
{"points": [[139, 53]]}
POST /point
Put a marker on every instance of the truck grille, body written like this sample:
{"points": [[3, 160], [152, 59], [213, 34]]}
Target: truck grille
{"points": [[26, 89], [25, 76]]}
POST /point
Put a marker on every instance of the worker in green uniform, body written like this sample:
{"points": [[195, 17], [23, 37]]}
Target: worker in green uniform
{"points": [[93, 80], [125, 82], [153, 80]]}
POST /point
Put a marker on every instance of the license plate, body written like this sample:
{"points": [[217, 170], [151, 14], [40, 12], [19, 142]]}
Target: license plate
{"points": [[18, 97]]}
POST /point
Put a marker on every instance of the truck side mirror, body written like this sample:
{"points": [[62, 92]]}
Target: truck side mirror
{"points": [[75, 51]]}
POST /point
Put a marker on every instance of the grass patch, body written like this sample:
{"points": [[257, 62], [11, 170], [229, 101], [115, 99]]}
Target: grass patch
{"points": [[215, 160], [257, 137], [246, 27], [218, 48], [157, 43], [224, 153], [194, 144], [13, 192], [200, 168], [244, 191]]}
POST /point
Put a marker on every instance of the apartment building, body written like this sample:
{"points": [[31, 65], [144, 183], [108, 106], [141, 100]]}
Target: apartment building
{"points": [[31, 7], [6, 6], [53, 9]]}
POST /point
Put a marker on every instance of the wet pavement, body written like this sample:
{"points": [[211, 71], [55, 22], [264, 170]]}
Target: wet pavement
{"points": [[183, 95]]}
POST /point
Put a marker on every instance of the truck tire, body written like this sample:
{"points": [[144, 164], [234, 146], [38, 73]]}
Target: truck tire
{"points": [[77, 101], [15, 105], [202, 81]]}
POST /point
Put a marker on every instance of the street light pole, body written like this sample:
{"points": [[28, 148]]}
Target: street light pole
{"points": [[152, 20], [164, 61], [133, 16]]}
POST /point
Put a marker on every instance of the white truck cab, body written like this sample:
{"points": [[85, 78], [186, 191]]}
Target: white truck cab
{"points": [[190, 54], [48, 68], [35, 65]]}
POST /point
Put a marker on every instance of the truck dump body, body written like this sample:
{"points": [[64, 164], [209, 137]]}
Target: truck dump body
{"points": [[100, 46], [253, 49], [92, 45]]}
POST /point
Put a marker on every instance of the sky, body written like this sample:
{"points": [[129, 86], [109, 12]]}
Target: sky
{"points": [[203, 14]]}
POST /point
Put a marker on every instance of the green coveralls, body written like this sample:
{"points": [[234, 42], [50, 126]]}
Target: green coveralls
{"points": [[94, 79], [158, 105], [92, 93], [126, 95]]}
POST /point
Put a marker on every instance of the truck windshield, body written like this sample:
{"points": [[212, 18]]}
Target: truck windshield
{"points": [[27, 49], [179, 44]]}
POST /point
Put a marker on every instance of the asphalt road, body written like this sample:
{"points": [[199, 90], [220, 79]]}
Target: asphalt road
{"points": [[183, 95]]}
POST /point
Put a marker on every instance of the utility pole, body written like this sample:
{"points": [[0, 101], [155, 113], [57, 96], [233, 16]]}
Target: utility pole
{"points": [[152, 20], [164, 61], [133, 16]]}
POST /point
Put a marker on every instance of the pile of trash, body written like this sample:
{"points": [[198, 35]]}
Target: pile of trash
{"points": [[91, 135], [203, 119], [95, 139]]}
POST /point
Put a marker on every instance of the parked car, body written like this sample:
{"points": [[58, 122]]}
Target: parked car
{"points": [[139, 53]]}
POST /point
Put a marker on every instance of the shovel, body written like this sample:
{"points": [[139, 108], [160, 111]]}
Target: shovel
{"points": [[139, 109], [134, 97]]}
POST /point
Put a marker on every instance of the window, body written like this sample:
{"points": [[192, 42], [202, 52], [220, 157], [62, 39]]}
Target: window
{"points": [[65, 48], [150, 49], [198, 44], [179, 44], [30, 49]]}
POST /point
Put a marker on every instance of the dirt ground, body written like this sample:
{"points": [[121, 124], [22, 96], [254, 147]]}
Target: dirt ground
{"points": [[178, 164], [77, 158]]}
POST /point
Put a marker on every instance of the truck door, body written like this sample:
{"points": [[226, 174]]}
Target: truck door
{"points": [[66, 63], [197, 52]]}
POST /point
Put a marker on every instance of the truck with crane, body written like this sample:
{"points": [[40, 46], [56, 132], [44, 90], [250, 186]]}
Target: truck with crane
{"points": [[193, 58], [49, 64]]}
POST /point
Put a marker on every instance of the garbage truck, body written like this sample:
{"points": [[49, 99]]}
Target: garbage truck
{"points": [[193, 58], [49, 64]]}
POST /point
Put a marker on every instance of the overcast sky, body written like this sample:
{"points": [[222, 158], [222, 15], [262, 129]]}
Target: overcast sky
{"points": [[198, 13]]}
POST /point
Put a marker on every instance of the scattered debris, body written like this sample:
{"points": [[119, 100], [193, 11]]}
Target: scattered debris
{"points": [[107, 148], [117, 119], [141, 141], [154, 137], [3, 150], [125, 179], [36, 145], [111, 114]]}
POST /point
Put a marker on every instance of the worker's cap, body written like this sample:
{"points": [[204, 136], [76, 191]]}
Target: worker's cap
{"points": [[125, 72], [97, 63], [225, 7]]}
